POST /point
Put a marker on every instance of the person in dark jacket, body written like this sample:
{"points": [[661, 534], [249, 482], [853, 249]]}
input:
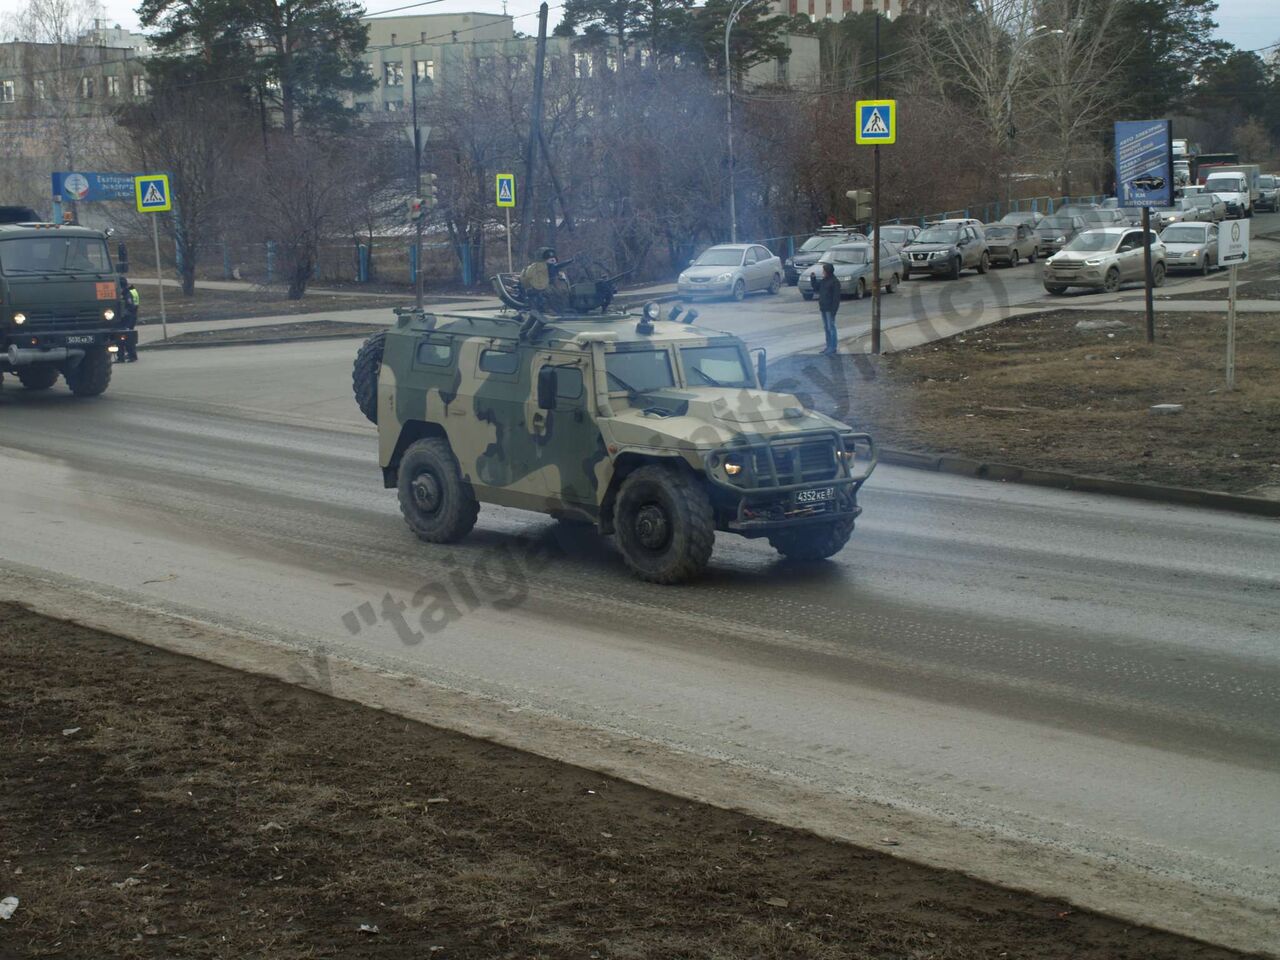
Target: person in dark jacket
{"points": [[828, 303]]}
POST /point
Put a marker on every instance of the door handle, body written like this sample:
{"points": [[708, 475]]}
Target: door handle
{"points": [[539, 421]]}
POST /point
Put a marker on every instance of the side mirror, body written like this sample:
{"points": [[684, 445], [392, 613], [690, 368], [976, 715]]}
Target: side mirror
{"points": [[122, 259], [548, 387], [761, 367]]}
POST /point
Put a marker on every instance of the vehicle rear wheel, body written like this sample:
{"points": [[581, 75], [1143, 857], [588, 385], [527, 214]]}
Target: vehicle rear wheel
{"points": [[777, 283], [437, 503], [91, 375], [42, 376], [1031, 257], [956, 267], [1204, 266], [739, 291], [1111, 282], [1057, 289], [812, 543], [364, 375], [906, 272], [664, 524], [860, 290], [892, 285], [1158, 272], [984, 262]]}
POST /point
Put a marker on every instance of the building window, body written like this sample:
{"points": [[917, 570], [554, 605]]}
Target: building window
{"points": [[424, 69], [784, 65], [7, 91], [392, 106], [86, 88], [41, 90], [584, 66], [113, 86], [393, 39], [393, 74], [141, 87]]}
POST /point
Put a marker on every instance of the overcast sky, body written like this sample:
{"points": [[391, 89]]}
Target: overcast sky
{"points": [[1246, 23]]}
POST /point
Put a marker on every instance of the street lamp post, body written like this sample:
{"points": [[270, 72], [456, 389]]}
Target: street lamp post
{"points": [[734, 11]]}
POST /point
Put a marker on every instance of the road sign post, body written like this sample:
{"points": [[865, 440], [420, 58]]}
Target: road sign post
{"points": [[505, 195], [876, 123], [151, 194], [1233, 250]]}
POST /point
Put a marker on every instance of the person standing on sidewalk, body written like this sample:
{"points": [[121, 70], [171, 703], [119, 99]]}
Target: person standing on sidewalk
{"points": [[828, 303]]}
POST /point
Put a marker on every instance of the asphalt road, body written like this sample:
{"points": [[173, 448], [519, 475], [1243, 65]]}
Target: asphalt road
{"points": [[1094, 677]]}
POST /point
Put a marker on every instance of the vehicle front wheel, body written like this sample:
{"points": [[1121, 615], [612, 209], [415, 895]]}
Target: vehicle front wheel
{"points": [[860, 290], [1111, 282], [437, 503], [664, 524], [739, 291], [777, 284], [91, 375], [812, 543], [807, 294], [984, 263], [956, 266], [364, 375], [1057, 289], [1014, 258], [1158, 272], [42, 376]]}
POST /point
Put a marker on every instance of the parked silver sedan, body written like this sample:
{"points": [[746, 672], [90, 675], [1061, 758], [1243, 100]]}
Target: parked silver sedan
{"points": [[852, 265], [731, 270], [1191, 246]]}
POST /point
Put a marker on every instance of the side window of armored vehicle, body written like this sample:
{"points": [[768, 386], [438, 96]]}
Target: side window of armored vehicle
{"points": [[569, 384], [505, 362], [435, 353]]}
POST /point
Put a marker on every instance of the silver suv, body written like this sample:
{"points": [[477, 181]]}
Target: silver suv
{"points": [[1104, 259]]}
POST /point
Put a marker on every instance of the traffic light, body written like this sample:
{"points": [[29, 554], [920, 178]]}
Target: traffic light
{"points": [[415, 209], [861, 203], [431, 195]]}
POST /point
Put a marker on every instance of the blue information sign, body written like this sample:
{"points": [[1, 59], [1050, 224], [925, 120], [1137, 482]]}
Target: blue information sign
{"points": [[1144, 163], [88, 187]]}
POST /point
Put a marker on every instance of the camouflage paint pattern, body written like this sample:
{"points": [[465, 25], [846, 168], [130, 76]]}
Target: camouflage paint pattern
{"points": [[563, 458]]}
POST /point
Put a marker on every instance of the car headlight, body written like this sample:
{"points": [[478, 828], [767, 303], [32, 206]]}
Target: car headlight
{"points": [[724, 278], [683, 278], [790, 262], [108, 314], [935, 254], [19, 318], [1059, 239], [1096, 262]]}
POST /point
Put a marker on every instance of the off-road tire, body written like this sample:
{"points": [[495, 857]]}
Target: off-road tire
{"points": [[91, 375], [984, 263], [776, 285], [1057, 289], [860, 290], [956, 266], [812, 542], [739, 290], [364, 375], [653, 496], [1158, 274], [41, 376], [1111, 282], [437, 503]]}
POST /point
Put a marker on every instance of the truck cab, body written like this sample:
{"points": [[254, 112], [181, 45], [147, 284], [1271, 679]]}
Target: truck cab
{"points": [[61, 306]]}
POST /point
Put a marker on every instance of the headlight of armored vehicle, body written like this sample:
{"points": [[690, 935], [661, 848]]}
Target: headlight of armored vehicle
{"points": [[108, 314]]}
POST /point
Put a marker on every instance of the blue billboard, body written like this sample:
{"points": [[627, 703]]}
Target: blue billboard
{"points": [[88, 187], [1144, 163]]}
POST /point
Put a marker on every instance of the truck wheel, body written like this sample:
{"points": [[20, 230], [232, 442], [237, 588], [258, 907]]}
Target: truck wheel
{"points": [[364, 375], [812, 543], [664, 525], [437, 503], [40, 377], [90, 376]]}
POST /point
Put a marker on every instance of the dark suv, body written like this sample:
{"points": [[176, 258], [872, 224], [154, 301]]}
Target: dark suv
{"points": [[944, 249]]}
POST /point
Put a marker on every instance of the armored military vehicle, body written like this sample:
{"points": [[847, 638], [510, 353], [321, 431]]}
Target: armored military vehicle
{"points": [[61, 306], [653, 429]]}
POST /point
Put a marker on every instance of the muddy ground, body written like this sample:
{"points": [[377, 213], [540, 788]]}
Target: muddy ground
{"points": [[153, 806], [1259, 280], [1036, 392]]}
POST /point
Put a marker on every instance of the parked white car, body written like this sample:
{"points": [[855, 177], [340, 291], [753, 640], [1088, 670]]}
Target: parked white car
{"points": [[731, 270], [1191, 246]]}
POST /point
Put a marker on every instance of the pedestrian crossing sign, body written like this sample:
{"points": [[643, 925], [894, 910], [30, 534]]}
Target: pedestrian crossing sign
{"points": [[151, 191], [506, 186], [877, 121]]}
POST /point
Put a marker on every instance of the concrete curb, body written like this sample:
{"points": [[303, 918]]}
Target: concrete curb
{"points": [[265, 341], [1158, 493]]}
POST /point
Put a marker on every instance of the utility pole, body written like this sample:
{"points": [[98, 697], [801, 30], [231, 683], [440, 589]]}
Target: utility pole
{"points": [[728, 113], [875, 221], [535, 136], [417, 189]]}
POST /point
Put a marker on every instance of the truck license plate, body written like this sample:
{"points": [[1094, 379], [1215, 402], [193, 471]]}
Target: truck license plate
{"points": [[82, 338], [815, 496]]}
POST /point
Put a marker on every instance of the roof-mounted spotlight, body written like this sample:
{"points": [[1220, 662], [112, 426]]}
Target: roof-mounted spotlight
{"points": [[648, 315]]}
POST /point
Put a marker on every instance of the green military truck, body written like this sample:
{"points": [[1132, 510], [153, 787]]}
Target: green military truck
{"points": [[654, 430], [61, 310]]}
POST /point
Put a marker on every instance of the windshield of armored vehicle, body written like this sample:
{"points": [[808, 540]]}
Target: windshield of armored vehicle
{"points": [[639, 371], [53, 254], [715, 367]]}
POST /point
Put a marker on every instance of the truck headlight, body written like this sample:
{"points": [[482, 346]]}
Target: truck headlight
{"points": [[19, 318], [108, 314], [732, 467]]}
